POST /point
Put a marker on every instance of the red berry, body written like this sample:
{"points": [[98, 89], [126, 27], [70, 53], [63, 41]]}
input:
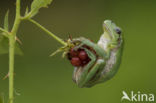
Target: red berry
{"points": [[83, 55], [75, 61], [73, 53]]}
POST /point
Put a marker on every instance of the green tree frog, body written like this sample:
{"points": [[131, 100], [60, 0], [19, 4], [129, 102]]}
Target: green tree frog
{"points": [[105, 63]]}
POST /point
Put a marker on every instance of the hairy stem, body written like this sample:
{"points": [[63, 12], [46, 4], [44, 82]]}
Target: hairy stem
{"points": [[12, 35], [12, 50], [48, 32], [11, 68]]}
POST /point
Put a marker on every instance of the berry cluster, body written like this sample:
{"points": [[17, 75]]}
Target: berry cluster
{"points": [[78, 57]]}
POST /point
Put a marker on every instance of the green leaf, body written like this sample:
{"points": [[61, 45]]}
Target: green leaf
{"points": [[6, 19], [4, 46], [4, 41], [37, 4]]}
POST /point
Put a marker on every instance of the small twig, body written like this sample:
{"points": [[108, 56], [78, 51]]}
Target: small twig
{"points": [[3, 30], [48, 32]]}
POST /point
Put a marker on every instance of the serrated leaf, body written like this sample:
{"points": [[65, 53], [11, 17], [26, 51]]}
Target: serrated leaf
{"points": [[6, 19], [4, 46], [37, 4]]}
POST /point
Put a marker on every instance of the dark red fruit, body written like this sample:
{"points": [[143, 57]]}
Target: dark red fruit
{"points": [[73, 53], [83, 55], [75, 61], [79, 57]]}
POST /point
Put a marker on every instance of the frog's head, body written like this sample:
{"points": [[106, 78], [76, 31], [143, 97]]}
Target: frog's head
{"points": [[112, 36], [112, 32]]}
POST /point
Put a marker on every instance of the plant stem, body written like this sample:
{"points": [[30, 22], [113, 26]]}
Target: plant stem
{"points": [[12, 50], [48, 32], [17, 19], [11, 68], [12, 40], [3, 30]]}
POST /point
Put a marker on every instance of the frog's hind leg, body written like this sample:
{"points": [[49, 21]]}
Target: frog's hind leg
{"points": [[90, 71], [81, 81], [94, 72]]}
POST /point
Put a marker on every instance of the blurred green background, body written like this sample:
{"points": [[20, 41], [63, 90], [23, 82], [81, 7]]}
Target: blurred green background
{"points": [[41, 79]]}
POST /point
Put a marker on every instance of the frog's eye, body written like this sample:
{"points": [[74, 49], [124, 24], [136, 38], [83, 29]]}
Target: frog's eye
{"points": [[118, 30]]}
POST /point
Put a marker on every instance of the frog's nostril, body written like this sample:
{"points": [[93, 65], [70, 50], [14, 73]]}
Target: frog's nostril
{"points": [[118, 30]]}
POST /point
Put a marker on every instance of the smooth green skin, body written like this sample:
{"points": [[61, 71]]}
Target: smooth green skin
{"points": [[91, 73]]}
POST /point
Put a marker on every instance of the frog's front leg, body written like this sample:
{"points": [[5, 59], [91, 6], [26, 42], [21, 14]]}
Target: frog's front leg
{"points": [[99, 51]]}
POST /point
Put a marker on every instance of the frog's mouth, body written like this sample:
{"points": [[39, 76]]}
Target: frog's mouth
{"points": [[109, 37]]}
